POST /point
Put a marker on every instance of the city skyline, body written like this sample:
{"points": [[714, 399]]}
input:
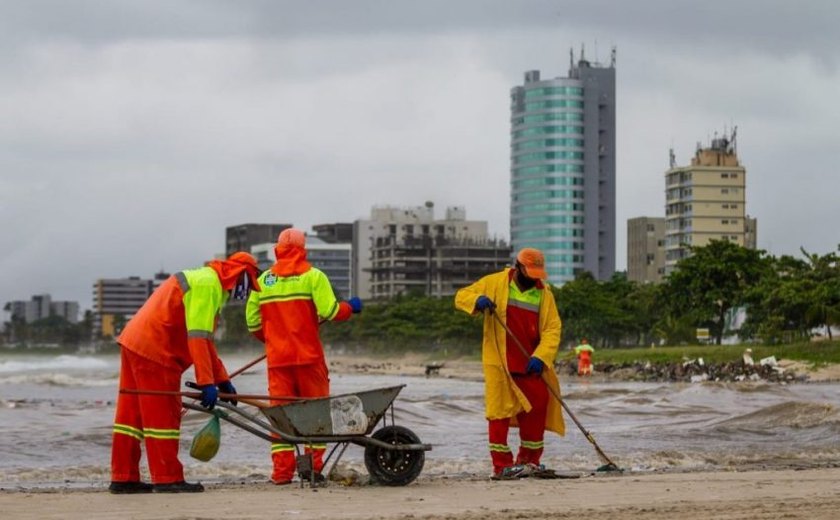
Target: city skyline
{"points": [[131, 139]]}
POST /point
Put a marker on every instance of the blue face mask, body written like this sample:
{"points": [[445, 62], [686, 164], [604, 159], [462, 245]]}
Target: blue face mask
{"points": [[242, 288]]}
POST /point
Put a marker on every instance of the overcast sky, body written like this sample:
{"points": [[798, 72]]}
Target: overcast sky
{"points": [[132, 133]]}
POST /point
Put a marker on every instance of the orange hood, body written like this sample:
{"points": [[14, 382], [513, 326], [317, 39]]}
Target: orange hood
{"points": [[229, 270], [291, 260]]}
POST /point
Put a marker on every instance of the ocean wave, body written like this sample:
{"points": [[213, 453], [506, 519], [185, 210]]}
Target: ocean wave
{"points": [[59, 380], [58, 363], [791, 414]]}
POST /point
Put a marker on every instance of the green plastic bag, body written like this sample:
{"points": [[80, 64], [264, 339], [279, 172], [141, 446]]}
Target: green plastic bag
{"points": [[206, 442]]}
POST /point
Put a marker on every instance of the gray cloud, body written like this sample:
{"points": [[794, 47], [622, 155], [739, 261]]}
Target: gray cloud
{"points": [[132, 133]]}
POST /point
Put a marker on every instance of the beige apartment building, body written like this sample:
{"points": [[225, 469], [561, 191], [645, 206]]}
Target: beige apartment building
{"points": [[706, 201]]}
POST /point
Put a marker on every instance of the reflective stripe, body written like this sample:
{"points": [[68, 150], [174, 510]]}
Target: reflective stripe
{"points": [[317, 446], [281, 447], [253, 328], [199, 334], [128, 430], [333, 311], [285, 297], [533, 445], [157, 433], [182, 281], [503, 448], [524, 305]]}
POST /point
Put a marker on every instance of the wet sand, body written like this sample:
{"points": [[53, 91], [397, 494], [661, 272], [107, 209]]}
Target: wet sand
{"points": [[789, 494]]}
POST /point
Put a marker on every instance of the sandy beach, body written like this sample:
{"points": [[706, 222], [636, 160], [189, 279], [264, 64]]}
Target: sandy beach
{"points": [[777, 493], [788, 494]]}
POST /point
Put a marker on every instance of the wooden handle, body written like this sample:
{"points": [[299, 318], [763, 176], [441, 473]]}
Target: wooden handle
{"points": [[245, 398], [247, 366]]}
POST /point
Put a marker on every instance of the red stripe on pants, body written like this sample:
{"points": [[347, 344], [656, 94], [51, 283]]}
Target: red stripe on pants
{"points": [[531, 425], [146, 411], [310, 380]]}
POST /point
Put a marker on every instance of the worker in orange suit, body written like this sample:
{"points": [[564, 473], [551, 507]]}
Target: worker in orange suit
{"points": [[171, 332], [294, 298], [584, 353]]}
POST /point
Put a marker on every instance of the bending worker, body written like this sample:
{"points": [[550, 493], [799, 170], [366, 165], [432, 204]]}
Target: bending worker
{"points": [[515, 392], [584, 353], [171, 332], [294, 298]]}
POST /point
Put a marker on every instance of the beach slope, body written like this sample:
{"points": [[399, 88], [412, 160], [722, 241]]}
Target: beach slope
{"points": [[788, 494]]}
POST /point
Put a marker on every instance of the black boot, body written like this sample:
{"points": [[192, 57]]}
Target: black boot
{"points": [[129, 488], [179, 487], [306, 476]]}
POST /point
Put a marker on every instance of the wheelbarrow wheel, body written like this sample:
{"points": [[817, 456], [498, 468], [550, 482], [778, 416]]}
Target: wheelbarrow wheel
{"points": [[394, 467]]}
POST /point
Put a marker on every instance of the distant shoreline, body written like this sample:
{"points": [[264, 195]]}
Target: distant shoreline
{"points": [[432, 365], [471, 370]]}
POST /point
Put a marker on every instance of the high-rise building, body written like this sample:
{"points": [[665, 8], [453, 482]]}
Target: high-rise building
{"points": [[706, 201], [563, 144], [245, 236], [646, 249], [402, 250]]}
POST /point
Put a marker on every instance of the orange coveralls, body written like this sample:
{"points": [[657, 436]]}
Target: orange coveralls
{"points": [[294, 298], [172, 331]]}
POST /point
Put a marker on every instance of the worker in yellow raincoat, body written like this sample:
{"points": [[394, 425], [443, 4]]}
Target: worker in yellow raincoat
{"points": [[515, 392]]}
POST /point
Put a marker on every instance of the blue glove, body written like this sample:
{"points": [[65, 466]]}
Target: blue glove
{"points": [[355, 304], [535, 366], [209, 396], [483, 302], [226, 387]]}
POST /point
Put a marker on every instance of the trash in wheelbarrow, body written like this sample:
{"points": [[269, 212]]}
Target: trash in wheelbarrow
{"points": [[393, 455], [345, 414]]}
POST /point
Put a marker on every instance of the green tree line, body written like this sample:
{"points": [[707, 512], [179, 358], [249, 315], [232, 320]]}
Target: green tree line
{"points": [[49, 331], [784, 299]]}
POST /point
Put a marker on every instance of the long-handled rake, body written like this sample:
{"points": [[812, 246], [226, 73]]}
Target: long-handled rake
{"points": [[608, 465]]}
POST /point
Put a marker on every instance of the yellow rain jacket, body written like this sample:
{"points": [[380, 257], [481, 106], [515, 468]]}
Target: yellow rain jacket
{"points": [[502, 398]]}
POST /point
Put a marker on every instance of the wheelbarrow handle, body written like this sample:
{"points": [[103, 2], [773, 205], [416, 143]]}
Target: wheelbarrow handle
{"points": [[253, 400]]}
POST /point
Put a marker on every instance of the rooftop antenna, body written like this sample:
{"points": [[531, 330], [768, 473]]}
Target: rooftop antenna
{"points": [[612, 57], [733, 141], [673, 158], [571, 57], [581, 51]]}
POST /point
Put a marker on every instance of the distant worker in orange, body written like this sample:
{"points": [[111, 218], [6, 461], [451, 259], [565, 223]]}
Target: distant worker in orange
{"points": [[584, 353], [294, 299], [172, 331]]}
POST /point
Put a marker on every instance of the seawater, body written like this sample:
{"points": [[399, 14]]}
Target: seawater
{"points": [[56, 414]]}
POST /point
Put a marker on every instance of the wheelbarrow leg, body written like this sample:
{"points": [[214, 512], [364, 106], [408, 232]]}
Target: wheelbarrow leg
{"points": [[305, 467], [337, 458]]}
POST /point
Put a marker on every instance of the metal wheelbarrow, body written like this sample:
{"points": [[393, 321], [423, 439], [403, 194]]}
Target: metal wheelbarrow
{"points": [[394, 455]]}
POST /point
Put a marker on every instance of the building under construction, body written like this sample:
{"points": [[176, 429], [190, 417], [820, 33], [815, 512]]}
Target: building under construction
{"points": [[432, 265]]}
